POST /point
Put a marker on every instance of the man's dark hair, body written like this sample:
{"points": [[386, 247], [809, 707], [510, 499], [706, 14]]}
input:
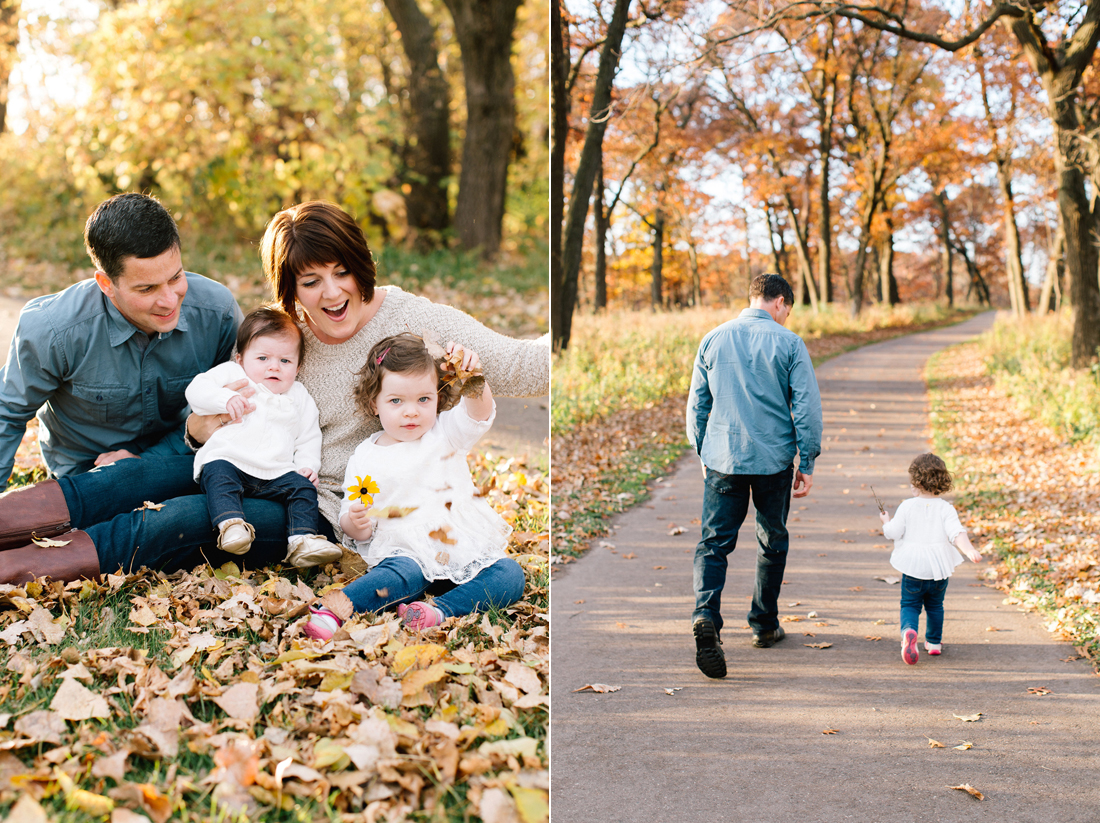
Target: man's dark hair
{"points": [[771, 286], [128, 225]]}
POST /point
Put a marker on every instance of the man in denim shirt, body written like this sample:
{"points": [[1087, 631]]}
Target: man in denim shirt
{"points": [[105, 362], [753, 404]]}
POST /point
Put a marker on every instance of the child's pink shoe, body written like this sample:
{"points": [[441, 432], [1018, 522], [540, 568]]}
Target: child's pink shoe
{"points": [[909, 651], [419, 615], [322, 623], [933, 648]]}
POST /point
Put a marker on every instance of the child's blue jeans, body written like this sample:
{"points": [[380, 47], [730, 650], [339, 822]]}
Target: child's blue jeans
{"points": [[927, 594], [397, 580], [226, 486]]}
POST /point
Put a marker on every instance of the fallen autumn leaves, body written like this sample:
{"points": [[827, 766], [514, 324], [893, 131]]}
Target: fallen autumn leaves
{"points": [[193, 694]]}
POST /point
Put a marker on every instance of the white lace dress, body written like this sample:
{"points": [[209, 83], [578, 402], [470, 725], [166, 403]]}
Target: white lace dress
{"points": [[454, 533]]}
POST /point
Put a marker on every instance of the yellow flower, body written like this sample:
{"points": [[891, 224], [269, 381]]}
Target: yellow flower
{"points": [[363, 489]]}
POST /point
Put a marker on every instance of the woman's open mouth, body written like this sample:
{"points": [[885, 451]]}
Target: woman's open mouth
{"points": [[337, 312]]}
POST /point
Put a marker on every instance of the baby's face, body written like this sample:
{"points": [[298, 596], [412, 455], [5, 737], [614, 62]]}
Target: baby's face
{"points": [[271, 361], [407, 404]]}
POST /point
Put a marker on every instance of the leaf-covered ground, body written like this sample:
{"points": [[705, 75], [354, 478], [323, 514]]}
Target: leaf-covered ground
{"points": [[603, 466], [1030, 492], [197, 696]]}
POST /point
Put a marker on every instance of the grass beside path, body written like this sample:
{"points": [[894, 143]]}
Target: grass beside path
{"points": [[619, 395], [1029, 491]]}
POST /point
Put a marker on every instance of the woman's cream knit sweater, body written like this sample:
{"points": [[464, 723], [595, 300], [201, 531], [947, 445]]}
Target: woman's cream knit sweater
{"points": [[513, 368]]}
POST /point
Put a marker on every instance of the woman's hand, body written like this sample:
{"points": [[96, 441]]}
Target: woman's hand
{"points": [[201, 427], [356, 524]]}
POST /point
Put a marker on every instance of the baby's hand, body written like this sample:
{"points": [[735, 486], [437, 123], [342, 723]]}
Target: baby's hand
{"points": [[237, 407], [470, 360], [363, 523], [884, 517], [309, 474]]}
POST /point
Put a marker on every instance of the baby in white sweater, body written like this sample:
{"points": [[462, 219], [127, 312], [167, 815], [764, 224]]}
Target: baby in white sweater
{"points": [[928, 538], [273, 452]]}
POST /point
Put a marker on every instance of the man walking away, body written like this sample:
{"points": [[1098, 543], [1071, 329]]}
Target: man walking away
{"points": [[753, 404]]}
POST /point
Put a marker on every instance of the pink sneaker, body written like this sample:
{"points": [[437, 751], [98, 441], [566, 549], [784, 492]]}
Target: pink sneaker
{"points": [[419, 615], [933, 648], [909, 651], [322, 623]]}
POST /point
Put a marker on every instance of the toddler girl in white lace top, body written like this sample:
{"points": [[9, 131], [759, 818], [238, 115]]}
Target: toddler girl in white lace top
{"points": [[417, 465], [928, 538]]}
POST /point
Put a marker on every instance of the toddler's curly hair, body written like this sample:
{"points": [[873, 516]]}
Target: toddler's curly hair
{"points": [[402, 354], [929, 473]]}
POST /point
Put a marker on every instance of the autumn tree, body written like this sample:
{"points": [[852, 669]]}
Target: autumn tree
{"points": [[1059, 42], [563, 279], [9, 43], [485, 29], [425, 152]]}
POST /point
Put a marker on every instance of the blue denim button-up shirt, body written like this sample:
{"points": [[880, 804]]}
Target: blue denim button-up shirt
{"points": [[754, 400], [78, 363]]}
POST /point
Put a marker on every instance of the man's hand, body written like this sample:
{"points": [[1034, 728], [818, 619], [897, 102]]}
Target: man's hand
{"points": [[802, 483], [202, 426], [113, 457], [309, 474]]}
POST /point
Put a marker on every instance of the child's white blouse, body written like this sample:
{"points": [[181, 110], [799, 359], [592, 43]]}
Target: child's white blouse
{"points": [[282, 435], [924, 530], [454, 532]]}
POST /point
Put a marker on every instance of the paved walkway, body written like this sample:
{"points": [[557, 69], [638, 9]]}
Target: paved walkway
{"points": [[751, 747]]}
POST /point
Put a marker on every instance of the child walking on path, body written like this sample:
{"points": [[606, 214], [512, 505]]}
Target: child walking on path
{"points": [[272, 453], [445, 531], [927, 539]]}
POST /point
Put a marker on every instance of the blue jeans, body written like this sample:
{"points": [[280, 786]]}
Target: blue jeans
{"points": [[225, 487], [917, 593], [107, 503], [725, 506], [399, 580]]}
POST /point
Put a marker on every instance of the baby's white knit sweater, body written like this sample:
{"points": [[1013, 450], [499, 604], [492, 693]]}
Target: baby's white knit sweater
{"points": [[282, 435], [513, 368]]}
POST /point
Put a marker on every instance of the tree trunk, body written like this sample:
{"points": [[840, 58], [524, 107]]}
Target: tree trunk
{"points": [[825, 229], [426, 152], [9, 43], [601, 244], [1014, 266], [696, 282], [1061, 84], [656, 289], [775, 240], [888, 283], [559, 132], [563, 292], [940, 200], [805, 267], [484, 30], [1050, 298]]}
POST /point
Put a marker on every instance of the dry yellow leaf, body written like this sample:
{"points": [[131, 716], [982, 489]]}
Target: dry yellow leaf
{"points": [[935, 744], [420, 655], [966, 787]]}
